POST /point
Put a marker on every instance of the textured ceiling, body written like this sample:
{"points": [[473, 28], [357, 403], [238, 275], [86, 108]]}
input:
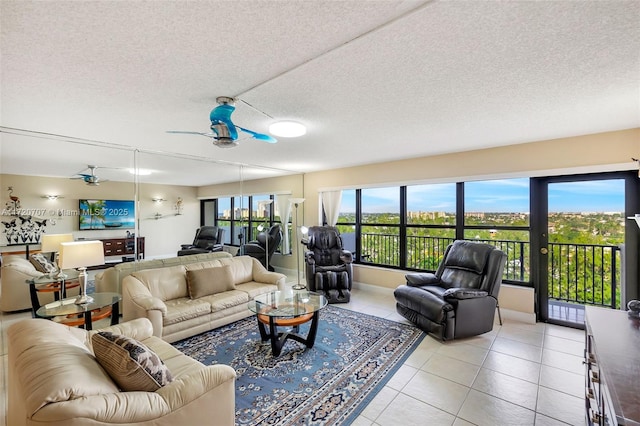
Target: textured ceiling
{"points": [[372, 80]]}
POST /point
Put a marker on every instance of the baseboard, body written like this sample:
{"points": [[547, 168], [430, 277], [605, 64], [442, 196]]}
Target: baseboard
{"points": [[372, 288], [508, 314]]}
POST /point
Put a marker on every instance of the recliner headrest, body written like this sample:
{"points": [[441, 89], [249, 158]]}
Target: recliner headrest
{"points": [[324, 239], [208, 233], [468, 255]]}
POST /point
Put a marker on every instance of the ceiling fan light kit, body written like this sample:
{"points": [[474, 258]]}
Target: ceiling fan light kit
{"points": [[287, 129], [140, 172]]}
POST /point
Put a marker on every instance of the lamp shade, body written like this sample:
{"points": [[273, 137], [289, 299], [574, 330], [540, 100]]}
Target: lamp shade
{"points": [[296, 200], [80, 254], [51, 242]]}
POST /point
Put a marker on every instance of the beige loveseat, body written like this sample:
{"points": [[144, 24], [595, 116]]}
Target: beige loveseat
{"points": [[164, 295], [55, 380], [14, 290], [14, 293], [110, 280]]}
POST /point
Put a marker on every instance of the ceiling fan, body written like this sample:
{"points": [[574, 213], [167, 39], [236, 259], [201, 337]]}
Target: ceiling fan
{"points": [[224, 131], [90, 178]]}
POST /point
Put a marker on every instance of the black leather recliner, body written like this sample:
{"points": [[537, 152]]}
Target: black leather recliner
{"points": [[207, 239], [329, 269], [461, 298], [258, 248]]}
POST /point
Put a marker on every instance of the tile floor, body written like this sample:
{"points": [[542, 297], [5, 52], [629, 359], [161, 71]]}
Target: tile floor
{"points": [[518, 374]]}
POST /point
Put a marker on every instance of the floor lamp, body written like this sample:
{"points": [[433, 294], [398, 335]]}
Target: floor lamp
{"points": [[266, 231], [296, 202]]}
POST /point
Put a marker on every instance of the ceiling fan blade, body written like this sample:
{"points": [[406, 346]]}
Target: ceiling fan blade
{"points": [[210, 135], [259, 136]]}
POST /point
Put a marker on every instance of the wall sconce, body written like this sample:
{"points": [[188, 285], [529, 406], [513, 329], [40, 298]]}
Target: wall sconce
{"points": [[158, 200], [52, 197]]}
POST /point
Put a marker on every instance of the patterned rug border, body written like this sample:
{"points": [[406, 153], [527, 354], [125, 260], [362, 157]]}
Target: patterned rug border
{"points": [[355, 357], [357, 411]]}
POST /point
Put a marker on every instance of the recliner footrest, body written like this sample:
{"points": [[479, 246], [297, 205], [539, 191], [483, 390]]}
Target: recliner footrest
{"points": [[334, 286]]}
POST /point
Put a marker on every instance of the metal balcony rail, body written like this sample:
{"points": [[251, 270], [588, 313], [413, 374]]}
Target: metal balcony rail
{"points": [[578, 273]]}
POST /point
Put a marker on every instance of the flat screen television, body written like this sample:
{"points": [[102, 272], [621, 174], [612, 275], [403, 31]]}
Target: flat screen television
{"points": [[106, 214]]}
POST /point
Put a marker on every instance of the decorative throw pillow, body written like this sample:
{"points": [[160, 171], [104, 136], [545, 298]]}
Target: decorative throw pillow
{"points": [[132, 365], [203, 282], [42, 263]]}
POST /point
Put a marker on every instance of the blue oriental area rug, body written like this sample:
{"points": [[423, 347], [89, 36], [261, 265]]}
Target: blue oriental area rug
{"points": [[330, 384]]}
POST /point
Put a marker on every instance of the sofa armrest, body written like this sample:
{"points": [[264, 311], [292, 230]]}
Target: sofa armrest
{"points": [[420, 279], [138, 329], [193, 385], [274, 278], [464, 293], [137, 300], [261, 275]]}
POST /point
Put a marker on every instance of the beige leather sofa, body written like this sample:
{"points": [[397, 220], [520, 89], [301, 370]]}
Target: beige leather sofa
{"points": [[54, 380], [110, 280], [14, 290], [162, 295]]}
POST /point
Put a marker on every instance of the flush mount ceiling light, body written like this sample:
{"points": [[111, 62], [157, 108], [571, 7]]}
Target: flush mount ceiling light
{"points": [[287, 129], [140, 172]]}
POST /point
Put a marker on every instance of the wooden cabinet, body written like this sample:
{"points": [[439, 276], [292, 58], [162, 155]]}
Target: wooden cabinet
{"points": [[612, 360], [123, 246]]}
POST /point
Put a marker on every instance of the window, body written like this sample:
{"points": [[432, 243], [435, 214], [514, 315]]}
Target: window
{"points": [[497, 213], [240, 217], [260, 214], [223, 217], [431, 222], [347, 220], [410, 227], [380, 233]]}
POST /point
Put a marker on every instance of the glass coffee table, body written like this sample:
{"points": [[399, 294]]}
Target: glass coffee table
{"points": [[67, 312], [56, 284], [287, 309]]}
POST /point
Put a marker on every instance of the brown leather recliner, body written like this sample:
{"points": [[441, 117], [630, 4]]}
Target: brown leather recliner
{"points": [[461, 298], [207, 239], [329, 267]]}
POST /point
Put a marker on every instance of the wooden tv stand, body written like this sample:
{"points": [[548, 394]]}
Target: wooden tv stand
{"points": [[613, 368], [122, 246]]}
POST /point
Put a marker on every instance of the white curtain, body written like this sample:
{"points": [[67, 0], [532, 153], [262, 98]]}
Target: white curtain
{"points": [[284, 207], [331, 203]]}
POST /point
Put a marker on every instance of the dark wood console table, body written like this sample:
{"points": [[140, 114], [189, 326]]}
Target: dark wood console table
{"points": [[123, 246], [612, 359]]}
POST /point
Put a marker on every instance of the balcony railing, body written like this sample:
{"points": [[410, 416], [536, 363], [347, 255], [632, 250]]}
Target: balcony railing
{"points": [[578, 273], [588, 274]]}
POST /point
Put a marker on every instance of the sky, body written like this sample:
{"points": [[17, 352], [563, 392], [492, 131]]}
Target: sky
{"points": [[504, 195]]}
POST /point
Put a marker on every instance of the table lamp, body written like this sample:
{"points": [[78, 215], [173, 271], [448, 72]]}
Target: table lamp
{"points": [[80, 254], [51, 244]]}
